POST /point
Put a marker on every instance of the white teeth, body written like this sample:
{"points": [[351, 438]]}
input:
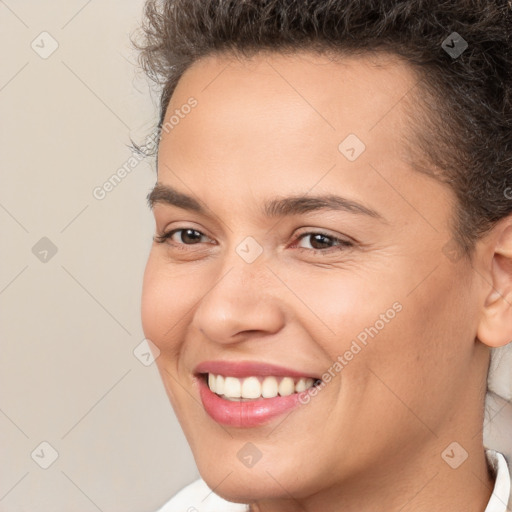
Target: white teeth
{"points": [[211, 381], [269, 387], [219, 384], [251, 388], [300, 386], [286, 386], [304, 384], [233, 388]]}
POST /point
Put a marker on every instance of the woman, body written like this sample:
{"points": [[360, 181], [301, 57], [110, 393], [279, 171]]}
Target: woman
{"points": [[332, 264]]}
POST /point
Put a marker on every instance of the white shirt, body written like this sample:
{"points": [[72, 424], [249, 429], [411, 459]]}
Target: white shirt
{"points": [[198, 497]]}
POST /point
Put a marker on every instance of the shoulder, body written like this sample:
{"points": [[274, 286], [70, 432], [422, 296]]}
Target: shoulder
{"points": [[198, 497]]}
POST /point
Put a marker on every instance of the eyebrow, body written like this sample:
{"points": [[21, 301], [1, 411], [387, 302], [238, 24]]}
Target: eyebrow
{"points": [[277, 207]]}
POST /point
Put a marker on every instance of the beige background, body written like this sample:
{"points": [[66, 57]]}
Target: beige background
{"points": [[69, 325], [70, 321]]}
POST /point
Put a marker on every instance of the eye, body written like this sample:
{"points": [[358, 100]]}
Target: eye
{"points": [[185, 236], [318, 241], [323, 242]]}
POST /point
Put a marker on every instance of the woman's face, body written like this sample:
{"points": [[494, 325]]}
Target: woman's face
{"points": [[271, 282]]}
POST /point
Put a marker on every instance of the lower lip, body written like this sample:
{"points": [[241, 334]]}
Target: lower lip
{"points": [[248, 414]]}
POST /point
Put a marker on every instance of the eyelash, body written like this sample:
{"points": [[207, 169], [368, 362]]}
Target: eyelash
{"points": [[342, 244]]}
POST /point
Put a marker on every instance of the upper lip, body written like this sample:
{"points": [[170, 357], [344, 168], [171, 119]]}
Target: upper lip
{"points": [[248, 369]]}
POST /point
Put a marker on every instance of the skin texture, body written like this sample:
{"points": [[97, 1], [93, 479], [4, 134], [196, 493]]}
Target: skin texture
{"points": [[372, 439]]}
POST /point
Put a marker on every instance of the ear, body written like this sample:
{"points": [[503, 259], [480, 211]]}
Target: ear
{"points": [[495, 326]]}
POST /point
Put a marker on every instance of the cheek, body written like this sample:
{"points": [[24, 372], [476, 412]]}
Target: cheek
{"points": [[417, 361], [346, 304], [150, 301], [162, 312], [399, 342], [162, 306], [170, 295]]}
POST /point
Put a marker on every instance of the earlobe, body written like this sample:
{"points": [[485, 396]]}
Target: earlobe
{"points": [[495, 327]]}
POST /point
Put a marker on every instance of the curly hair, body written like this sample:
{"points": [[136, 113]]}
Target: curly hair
{"points": [[466, 129]]}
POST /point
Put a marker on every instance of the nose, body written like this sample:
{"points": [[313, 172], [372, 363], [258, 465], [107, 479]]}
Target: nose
{"points": [[242, 303]]}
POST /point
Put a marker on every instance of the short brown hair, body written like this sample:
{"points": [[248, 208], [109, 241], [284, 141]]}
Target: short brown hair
{"points": [[467, 132]]}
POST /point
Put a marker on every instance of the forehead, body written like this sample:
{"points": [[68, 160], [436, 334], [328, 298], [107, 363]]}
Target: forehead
{"points": [[282, 100], [293, 123], [329, 88]]}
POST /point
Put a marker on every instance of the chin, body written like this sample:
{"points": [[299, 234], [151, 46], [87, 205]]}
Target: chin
{"points": [[241, 488], [266, 479]]}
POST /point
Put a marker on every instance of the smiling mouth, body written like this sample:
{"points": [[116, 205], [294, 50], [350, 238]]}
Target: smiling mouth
{"points": [[256, 387]]}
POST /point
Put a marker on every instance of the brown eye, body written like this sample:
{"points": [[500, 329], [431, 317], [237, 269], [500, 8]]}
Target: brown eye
{"points": [[188, 236], [184, 236], [319, 241], [322, 241]]}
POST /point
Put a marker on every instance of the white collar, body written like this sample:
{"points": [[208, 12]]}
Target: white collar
{"points": [[198, 497], [501, 493]]}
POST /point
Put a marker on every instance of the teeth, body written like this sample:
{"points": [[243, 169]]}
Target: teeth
{"points": [[304, 384], [300, 386], [211, 381], [251, 388], [219, 384], [233, 388], [269, 387], [286, 386]]}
